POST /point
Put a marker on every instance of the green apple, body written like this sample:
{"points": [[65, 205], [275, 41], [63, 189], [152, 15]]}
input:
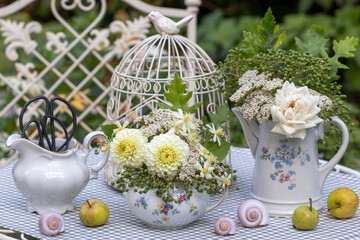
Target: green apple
{"points": [[342, 203], [93, 213], [305, 217]]}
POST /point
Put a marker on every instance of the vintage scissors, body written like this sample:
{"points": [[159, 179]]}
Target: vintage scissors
{"points": [[42, 125]]}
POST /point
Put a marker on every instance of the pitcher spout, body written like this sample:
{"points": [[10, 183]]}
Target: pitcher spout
{"points": [[250, 129], [14, 141]]}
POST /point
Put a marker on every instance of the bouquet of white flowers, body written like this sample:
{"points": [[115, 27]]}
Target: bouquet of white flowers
{"points": [[169, 148]]}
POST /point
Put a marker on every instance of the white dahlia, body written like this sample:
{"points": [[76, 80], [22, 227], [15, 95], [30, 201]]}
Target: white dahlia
{"points": [[166, 152], [128, 148]]}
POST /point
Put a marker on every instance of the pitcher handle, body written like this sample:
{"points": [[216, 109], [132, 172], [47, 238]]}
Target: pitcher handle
{"points": [[326, 168], [87, 141]]}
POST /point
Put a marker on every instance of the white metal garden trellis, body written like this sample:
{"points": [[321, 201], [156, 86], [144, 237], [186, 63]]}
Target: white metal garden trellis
{"points": [[38, 72]]}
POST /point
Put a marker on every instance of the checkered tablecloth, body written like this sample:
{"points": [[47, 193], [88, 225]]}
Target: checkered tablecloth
{"points": [[123, 225]]}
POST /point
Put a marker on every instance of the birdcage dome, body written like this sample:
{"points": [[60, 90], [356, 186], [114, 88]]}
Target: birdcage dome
{"points": [[142, 76]]}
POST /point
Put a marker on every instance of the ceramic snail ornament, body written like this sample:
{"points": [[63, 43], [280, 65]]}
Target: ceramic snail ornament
{"points": [[225, 226], [253, 213], [51, 223]]}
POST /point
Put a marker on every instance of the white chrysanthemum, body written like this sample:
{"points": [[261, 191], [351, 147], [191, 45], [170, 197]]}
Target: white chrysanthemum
{"points": [[166, 152], [128, 148]]}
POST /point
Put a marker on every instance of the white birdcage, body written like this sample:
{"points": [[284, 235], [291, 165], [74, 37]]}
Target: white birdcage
{"points": [[141, 78]]}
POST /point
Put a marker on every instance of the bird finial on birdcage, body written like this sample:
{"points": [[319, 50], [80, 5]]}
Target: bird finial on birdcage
{"points": [[165, 25]]}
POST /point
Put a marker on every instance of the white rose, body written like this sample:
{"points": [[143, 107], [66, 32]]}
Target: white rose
{"points": [[295, 110]]}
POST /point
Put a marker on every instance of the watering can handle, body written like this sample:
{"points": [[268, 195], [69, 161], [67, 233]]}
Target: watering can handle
{"points": [[87, 141], [326, 168]]}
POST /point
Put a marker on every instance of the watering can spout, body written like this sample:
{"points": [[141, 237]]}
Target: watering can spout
{"points": [[250, 129]]}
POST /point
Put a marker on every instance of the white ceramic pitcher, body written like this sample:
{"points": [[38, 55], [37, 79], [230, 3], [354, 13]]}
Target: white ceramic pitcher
{"points": [[51, 180], [287, 171]]}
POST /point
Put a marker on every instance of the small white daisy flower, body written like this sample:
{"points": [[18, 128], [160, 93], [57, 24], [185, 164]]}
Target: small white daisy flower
{"points": [[185, 121], [206, 170], [120, 127], [217, 133], [226, 180]]}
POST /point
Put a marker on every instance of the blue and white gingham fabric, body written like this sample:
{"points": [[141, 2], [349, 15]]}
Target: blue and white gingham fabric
{"points": [[123, 225]]}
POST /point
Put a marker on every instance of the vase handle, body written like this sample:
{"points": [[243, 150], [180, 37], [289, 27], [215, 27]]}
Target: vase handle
{"points": [[326, 168], [226, 190]]}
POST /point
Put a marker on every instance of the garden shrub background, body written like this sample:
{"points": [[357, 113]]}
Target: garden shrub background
{"points": [[221, 25]]}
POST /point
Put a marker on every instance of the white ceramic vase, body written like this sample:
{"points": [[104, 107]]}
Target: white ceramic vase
{"points": [[155, 213], [287, 171]]}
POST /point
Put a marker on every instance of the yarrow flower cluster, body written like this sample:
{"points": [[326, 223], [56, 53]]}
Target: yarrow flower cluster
{"points": [[294, 109], [256, 94], [169, 148]]}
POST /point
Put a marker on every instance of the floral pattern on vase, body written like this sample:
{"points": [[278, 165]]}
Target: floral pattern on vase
{"points": [[284, 157], [163, 210], [192, 207], [141, 202]]}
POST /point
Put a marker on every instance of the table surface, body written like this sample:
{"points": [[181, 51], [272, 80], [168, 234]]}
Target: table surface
{"points": [[123, 225]]}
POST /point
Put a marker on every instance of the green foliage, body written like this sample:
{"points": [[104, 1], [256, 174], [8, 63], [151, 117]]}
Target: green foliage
{"points": [[220, 152], [343, 49], [176, 96], [266, 37], [108, 130], [221, 115], [314, 41], [268, 31], [315, 44], [142, 180]]}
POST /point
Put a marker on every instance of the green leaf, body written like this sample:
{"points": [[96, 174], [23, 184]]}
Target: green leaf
{"points": [[280, 40], [269, 32], [221, 115], [205, 121], [268, 23], [176, 96], [314, 43], [220, 152], [343, 48], [108, 130], [319, 30], [252, 41]]}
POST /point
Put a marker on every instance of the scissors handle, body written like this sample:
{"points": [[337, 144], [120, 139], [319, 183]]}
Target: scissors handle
{"points": [[41, 127], [52, 129], [52, 146], [21, 116], [23, 133]]}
